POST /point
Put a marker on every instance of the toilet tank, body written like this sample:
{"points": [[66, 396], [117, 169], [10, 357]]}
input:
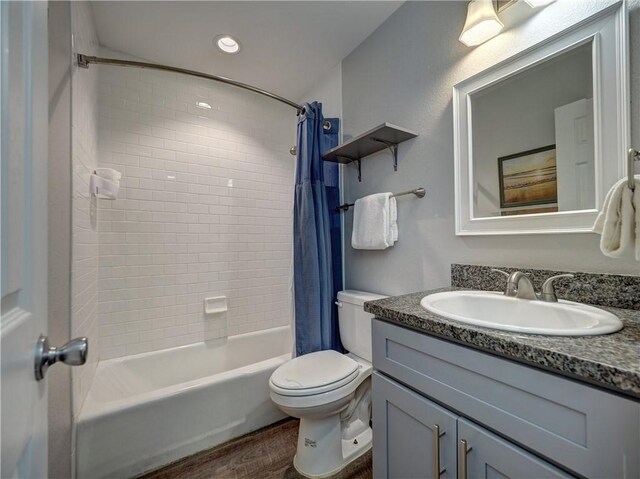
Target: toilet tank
{"points": [[355, 324]]}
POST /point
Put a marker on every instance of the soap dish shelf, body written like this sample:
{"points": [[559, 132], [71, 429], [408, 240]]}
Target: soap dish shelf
{"points": [[215, 305], [377, 139]]}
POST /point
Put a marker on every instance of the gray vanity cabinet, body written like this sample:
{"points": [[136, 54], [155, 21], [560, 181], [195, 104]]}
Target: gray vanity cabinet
{"points": [[515, 417], [414, 437]]}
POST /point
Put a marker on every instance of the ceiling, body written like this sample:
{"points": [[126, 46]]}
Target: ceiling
{"points": [[286, 46]]}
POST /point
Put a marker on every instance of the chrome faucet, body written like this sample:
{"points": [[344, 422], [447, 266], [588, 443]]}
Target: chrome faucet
{"points": [[520, 286]]}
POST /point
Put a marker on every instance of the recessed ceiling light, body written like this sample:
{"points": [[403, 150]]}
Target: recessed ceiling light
{"points": [[227, 44], [203, 104]]}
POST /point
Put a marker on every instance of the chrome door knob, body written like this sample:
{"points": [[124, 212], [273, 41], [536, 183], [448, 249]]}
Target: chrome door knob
{"points": [[74, 353]]}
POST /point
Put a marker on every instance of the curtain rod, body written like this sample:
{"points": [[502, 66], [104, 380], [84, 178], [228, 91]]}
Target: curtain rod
{"points": [[85, 60]]}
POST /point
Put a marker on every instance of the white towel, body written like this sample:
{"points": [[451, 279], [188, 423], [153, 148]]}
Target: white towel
{"points": [[393, 220], [373, 220], [619, 221]]}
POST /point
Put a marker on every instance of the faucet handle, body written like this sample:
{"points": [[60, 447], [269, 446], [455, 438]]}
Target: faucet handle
{"points": [[549, 291]]}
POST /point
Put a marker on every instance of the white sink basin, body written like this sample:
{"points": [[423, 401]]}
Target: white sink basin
{"points": [[495, 310]]}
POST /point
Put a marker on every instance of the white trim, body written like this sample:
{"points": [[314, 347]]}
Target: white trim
{"points": [[607, 32]]}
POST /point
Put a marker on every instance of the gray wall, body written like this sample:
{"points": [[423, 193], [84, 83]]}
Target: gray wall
{"points": [[404, 74], [59, 185]]}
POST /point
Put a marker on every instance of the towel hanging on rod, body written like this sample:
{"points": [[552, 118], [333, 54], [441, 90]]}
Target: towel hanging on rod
{"points": [[632, 157], [419, 192]]}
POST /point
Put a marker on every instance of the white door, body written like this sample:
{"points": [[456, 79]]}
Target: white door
{"points": [[575, 156], [23, 138]]}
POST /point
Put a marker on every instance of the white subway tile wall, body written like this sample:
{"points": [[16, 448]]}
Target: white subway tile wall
{"points": [[205, 209], [84, 269]]}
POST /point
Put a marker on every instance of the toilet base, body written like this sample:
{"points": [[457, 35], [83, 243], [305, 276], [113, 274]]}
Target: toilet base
{"points": [[334, 425], [328, 443], [322, 452]]}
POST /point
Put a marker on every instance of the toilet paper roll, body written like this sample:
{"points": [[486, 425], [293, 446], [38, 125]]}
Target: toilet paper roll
{"points": [[103, 188], [109, 174]]}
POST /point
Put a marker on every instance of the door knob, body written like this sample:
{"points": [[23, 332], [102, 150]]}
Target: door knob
{"points": [[74, 353]]}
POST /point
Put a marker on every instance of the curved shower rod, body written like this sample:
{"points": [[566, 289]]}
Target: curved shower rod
{"points": [[85, 60]]}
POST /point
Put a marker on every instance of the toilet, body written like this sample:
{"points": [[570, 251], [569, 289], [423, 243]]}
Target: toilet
{"points": [[331, 394]]}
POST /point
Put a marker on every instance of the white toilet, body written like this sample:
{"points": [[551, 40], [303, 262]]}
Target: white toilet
{"points": [[331, 394]]}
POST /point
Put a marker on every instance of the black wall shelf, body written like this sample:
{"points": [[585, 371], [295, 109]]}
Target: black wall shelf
{"points": [[375, 140]]}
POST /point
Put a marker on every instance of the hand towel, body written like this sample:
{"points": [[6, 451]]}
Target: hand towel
{"points": [[619, 221], [372, 222], [393, 220]]}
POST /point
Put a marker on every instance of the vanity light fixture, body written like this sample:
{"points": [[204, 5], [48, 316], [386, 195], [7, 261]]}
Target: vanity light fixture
{"points": [[227, 44], [482, 23], [538, 3]]}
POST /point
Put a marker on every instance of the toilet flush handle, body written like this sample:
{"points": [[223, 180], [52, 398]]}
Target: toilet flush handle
{"points": [[338, 304]]}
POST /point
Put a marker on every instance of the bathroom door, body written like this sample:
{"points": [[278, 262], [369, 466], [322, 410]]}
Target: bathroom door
{"points": [[575, 158], [23, 154]]}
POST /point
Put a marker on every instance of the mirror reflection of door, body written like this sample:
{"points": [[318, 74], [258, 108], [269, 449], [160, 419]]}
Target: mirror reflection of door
{"points": [[533, 139], [574, 146]]}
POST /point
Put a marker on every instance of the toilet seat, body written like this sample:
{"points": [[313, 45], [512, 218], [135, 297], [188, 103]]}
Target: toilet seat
{"points": [[314, 373]]}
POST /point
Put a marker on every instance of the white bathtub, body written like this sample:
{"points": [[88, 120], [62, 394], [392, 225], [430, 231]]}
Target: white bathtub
{"points": [[150, 409]]}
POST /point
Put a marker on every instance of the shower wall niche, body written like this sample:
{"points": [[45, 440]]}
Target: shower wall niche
{"points": [[204, 210]]}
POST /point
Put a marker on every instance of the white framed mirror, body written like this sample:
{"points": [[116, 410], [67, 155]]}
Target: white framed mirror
{"points": [[542, 136]]}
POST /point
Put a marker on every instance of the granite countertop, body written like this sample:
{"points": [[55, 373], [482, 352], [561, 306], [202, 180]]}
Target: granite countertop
{"points": [[611, 361]]}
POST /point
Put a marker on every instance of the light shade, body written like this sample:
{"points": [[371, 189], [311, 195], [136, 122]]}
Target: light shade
{"points": [[482, 23], [538, 3]]}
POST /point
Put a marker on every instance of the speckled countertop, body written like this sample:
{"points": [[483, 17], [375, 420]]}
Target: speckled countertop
{"points": [[611, 361]]}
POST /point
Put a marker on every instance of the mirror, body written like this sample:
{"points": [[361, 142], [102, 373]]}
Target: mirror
{"points": [[541, 137], [533, 148]]}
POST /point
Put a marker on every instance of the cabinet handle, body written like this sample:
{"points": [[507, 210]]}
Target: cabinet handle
{"points": [[463, 449], [436, 434]]}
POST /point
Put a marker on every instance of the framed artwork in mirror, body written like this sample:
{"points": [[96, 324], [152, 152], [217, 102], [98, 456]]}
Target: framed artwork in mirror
{"points": [[528, 178]]}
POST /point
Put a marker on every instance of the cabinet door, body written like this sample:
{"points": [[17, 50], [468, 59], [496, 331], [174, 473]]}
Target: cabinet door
{"points": [[405, 434], [491, 457]]}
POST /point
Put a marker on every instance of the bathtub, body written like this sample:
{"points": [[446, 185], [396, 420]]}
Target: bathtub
{"points": [[150, 409]]}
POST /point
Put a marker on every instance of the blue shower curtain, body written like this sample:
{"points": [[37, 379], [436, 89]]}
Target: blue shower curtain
{"points": [[315, 320], [332, 186]]}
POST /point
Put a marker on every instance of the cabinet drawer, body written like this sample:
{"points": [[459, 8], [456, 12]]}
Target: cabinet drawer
{"points": [[589, 431]]}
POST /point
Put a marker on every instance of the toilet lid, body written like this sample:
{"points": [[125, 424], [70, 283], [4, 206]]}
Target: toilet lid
{"points": [[314, 373]]}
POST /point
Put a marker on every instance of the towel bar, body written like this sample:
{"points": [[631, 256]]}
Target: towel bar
{"points": [[632, 157], [419, 192]]}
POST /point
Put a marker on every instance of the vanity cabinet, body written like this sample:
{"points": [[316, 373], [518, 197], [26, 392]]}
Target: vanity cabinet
{"points": [[414, 438], [518, 420]]}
